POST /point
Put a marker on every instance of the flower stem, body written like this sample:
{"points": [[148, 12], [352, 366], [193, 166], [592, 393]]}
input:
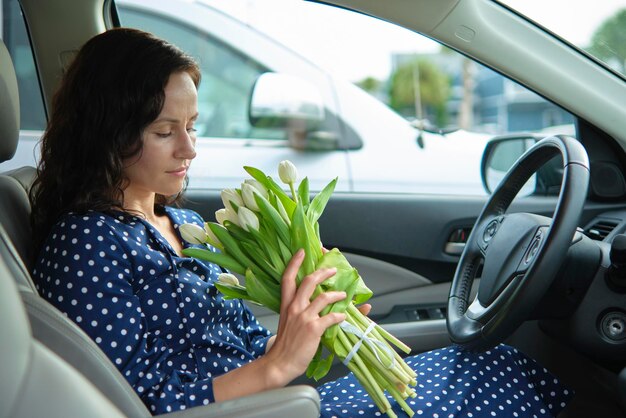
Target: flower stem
{"points": [[357, 314], [366, 374], [293, 193], [393, 391], [401, 370], [371, 390], [388, 356], [388, 375]]}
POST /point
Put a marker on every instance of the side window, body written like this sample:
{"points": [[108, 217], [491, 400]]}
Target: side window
{"points": [[15, 37], [227, 76], [402, 113]]}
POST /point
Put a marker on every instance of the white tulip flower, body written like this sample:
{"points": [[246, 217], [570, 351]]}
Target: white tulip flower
{"points": [[247, 192], [227, 278], [193, 233], [212, 238], [287, 172], [257, 185], [247, 219], [226, 215], [231, 195]]}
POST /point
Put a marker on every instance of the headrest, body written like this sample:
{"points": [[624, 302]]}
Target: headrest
{"points": [[9, 106]]}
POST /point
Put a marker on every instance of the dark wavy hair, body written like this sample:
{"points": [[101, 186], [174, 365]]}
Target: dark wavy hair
{"points": [[110, 93]]}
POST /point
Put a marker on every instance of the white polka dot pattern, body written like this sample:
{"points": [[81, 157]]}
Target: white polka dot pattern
{"points": [[501, 382], [156, 315]]}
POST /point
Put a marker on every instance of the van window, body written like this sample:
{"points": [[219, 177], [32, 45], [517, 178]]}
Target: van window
{"points": [[227, 76]]}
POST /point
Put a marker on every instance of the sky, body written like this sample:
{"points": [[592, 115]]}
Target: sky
{"points": [[573, 19], [354, 46]]}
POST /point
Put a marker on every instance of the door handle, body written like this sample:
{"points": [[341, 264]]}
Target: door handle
{"points": [[454, 248], [456, 241]]}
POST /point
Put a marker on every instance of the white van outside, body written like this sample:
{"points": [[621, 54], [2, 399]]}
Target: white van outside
{"points": [[357, 138]]}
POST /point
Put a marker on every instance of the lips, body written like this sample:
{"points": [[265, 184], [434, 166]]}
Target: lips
{"points": [[179, 171]]}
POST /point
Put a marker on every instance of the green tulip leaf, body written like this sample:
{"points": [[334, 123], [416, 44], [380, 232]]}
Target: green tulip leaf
{"points": [[317, 206], [303, 236], [303, 193], [347, 278], [266, 292], [323, 367], [221, 259], [257, 254], [310, 370], [232, 292], [273, 218], [230, 244]]}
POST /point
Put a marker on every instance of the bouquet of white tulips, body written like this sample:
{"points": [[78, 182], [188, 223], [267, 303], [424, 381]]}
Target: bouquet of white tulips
{"points": [[257, 232]]}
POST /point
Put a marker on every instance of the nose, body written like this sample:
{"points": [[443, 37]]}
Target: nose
{"points": [[187, 146]]}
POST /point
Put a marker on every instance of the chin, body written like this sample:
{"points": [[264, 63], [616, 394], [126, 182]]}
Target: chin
{"points": [[171, 191]]}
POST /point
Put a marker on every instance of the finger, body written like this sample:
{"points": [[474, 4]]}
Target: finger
{"points": [[325, 299], [307, 287], [365, 308], [325, 250], [331, 319], [288, 283]]}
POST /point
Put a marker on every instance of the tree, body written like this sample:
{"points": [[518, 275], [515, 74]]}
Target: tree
{"points": [[370, 85], [608, 42], [420, 83]]}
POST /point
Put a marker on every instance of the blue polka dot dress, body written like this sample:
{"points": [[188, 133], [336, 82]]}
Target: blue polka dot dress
{"points": [[162, 322]]}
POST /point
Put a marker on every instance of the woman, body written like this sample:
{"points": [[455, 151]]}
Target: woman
{"points": [[114, 159]]}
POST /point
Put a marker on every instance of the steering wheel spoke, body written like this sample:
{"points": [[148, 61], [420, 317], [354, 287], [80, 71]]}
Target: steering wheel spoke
{"points": [[483, 313]]}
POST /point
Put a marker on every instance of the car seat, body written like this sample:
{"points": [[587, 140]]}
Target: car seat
{"points": [[42, 350], [14, 205], [36, 382]]}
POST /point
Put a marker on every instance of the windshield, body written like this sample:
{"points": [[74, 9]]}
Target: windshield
{"points": [[596, 27]]}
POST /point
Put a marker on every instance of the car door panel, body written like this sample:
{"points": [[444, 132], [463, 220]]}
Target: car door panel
{"points": [[415, 228], [374, 229]]}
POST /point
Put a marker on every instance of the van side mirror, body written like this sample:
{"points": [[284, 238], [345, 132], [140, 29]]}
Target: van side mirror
{"points": [[289, 102], [502, 152]]}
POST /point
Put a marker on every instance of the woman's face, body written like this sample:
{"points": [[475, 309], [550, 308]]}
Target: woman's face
{"points": [[168, 144]]}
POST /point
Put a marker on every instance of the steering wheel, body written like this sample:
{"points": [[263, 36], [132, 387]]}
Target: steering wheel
{"points": [[520, 252]]}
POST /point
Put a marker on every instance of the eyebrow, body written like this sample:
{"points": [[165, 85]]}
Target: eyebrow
{"points": [[174, 120]]}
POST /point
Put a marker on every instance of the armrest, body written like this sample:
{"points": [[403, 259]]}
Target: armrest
{"points": [[293, 401]]}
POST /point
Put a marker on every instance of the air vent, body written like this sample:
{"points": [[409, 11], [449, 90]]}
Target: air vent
{"points": [[600, 229]]}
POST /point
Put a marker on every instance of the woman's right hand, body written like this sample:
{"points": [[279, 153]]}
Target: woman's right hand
{"points": [[290, 351], [300, 326]]}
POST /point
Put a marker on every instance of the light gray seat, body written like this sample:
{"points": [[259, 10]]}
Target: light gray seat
{"points": [[14, 206], [41, 350], [35, 381]]}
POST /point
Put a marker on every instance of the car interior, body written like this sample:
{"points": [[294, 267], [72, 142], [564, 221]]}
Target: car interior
{"points": [[550, 281]]}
